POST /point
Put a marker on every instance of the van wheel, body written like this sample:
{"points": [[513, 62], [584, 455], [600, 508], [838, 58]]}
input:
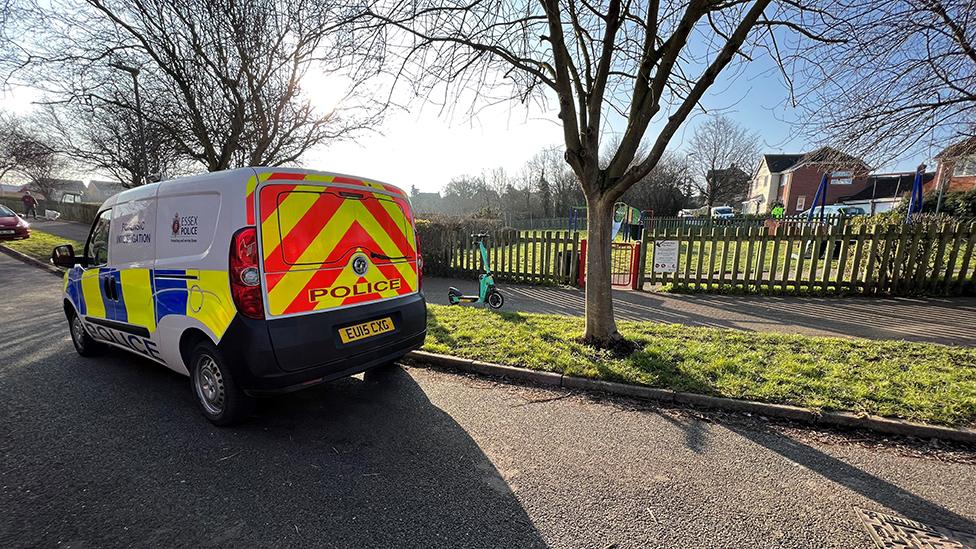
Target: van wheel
{"points": [[85, 344], [221, 401]]}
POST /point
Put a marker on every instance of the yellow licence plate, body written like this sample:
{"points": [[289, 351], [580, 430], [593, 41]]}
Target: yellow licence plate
{"points": [[366, 329]]}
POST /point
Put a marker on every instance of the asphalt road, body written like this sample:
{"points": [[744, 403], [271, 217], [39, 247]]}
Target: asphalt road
{"points": [[111, 452]]}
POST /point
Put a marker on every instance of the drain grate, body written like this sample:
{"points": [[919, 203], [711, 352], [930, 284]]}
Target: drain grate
{"points": [[889, 531]]}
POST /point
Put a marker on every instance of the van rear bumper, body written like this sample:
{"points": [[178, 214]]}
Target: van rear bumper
{"points": [[283, 355]]}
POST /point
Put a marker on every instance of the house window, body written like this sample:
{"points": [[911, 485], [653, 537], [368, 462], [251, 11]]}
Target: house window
{"points": [[841, 178], [801, 202], [965, 166]]}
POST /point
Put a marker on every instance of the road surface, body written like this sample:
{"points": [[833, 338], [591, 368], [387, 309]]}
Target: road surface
{"points": [[111, 452]]}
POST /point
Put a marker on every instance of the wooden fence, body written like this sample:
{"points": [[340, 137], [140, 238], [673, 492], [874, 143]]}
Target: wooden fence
{"points": [[82, 212], [662, 223], [883, 259], [528, 257]]}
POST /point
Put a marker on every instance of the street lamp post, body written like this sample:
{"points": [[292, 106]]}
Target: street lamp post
{"points": [[134, 72]]}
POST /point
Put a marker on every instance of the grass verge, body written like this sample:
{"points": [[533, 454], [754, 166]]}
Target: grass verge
{"points": [[40, 244], [915, 381]]}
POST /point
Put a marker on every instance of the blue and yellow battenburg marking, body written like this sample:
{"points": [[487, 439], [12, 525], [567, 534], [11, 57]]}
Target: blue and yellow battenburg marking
{"points": [[204, 295]]}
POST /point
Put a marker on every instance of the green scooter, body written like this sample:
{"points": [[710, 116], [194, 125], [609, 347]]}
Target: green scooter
{"points": [[487, 293]]}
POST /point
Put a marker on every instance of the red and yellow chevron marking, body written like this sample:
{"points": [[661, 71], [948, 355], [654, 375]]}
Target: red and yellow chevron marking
{"points": [[311, 233]]}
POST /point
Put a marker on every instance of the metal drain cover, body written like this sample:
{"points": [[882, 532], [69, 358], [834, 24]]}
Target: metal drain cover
{"points": [[897, 532]]}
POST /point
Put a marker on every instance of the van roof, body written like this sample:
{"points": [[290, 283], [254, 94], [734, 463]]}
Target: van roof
{"points": [[143, 189]]}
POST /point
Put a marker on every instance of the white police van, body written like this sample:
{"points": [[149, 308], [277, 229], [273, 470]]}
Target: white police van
{"points": [[252, 281]]}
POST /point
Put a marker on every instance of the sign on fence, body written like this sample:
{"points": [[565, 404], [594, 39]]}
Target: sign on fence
{"points": [[665, 256]]}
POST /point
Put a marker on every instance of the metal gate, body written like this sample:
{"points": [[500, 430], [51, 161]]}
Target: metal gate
{"points": [[621, 263], [624, 264]]}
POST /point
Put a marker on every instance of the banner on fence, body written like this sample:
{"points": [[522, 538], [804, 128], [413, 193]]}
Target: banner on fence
{"points": [[665, 256]]}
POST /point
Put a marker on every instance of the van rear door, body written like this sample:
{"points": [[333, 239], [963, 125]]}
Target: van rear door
{"points": [[330, 242]]}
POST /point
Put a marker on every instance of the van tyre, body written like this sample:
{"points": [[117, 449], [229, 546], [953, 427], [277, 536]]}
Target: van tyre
{"points": [[84, 343], [217, 394]]}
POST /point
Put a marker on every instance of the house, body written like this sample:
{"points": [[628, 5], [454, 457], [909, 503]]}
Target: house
{"points": [[100, 191], [62, 190], [884, 191], [793, 179], [766, 180], [957, 168], [426, 203], [731, 185], [8, 190]]}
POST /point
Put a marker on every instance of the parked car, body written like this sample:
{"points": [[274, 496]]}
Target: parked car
{"points": [[835, 210], [722, 212], [12, 226], [251, 282]]}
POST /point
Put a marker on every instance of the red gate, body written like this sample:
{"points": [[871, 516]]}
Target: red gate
{"points": [[624, 264]]}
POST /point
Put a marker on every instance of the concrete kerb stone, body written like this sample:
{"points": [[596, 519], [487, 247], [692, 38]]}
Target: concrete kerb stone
{"points": [[794, 413]]}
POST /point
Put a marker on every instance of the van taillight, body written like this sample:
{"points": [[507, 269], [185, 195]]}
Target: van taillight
{"points": [[245, 279], [420, 262]]}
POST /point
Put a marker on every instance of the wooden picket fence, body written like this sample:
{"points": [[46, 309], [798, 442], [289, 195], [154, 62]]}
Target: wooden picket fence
{"points": [[528, 257], [933, 259]]}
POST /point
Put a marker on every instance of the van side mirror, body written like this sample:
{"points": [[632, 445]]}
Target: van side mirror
{"points": [[64, 256]]}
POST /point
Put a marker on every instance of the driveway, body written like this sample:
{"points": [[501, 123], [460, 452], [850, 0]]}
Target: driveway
{"points": [[111, 452], [950, 321]]}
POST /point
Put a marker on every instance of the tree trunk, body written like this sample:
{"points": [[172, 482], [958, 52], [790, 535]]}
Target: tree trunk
{"points": [[601, 329]]}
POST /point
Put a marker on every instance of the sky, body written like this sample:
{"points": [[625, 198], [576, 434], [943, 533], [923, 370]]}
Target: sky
{"points": [[424, 147]]}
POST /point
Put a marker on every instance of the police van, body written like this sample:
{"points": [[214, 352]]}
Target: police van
{"points": [[251, 282]]}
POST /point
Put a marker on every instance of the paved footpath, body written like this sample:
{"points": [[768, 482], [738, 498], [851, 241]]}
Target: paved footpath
{"points": [[950, 321], [111, 452], [65, 229]]}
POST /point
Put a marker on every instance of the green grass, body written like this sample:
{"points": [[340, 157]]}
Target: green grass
{"points": [[916, 381], [40, 244]]}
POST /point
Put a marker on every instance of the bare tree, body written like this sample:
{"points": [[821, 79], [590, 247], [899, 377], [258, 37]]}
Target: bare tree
{"points": [[221, 82], [39, 164], [624, 59], [720, 151], [662, 190], [904, 82], [109, 140]]}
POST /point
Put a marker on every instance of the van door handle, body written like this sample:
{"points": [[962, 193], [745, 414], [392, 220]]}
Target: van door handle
{"points": [[110, 289]]}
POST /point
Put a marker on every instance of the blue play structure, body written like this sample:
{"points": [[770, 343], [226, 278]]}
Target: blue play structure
{"points": [[915, 203]]}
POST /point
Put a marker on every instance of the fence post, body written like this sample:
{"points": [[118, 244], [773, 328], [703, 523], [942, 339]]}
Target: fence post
{"points": [[635, 265], [581, 270], [642, 262]]}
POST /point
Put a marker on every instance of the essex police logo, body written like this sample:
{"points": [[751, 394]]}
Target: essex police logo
{"points": [[176, 224]]}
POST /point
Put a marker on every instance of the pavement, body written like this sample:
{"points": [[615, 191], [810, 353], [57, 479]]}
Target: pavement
{"points": [[948, 321], [112, 452]]}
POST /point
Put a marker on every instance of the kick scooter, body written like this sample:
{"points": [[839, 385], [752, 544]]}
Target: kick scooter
{"points": [[487, 293]]}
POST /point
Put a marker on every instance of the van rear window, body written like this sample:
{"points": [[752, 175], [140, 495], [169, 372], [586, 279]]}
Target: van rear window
{"points": [[325, 226]]}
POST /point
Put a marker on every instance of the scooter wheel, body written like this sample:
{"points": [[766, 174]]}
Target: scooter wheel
{"points": [[495, 300]]}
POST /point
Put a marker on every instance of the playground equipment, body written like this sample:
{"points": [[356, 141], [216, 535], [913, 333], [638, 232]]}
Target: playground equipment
{"points": [[624, 217], [487, 293]]}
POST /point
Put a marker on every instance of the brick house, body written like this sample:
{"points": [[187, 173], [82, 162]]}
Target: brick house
{"points": [[956, 170], [793, 179]]}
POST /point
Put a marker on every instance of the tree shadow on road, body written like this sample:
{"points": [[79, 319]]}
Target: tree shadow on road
{"points": [[882, 492], [123, 457]]}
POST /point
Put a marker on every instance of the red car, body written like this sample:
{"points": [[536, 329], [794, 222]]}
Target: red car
{"points": [[12, 227]]}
